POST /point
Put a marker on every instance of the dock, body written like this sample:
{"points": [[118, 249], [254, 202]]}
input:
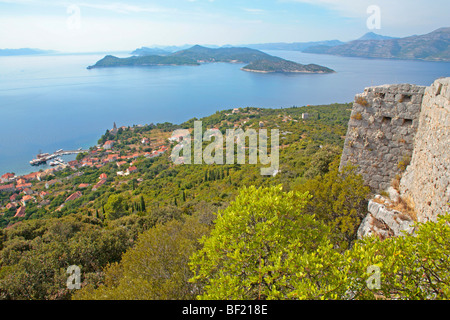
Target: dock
{"points": [[44, 157]]}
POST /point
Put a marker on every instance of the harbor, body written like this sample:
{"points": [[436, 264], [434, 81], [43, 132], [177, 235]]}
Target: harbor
{"points": [[43, 158]]}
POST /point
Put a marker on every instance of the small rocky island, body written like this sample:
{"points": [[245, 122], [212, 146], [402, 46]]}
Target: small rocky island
{"points": [[255, 60]]}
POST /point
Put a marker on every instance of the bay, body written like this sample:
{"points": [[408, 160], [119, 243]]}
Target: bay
{"points": [[53, 102]]}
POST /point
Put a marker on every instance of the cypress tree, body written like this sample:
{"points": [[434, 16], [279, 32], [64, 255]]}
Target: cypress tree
{"points": [[143, 209]]}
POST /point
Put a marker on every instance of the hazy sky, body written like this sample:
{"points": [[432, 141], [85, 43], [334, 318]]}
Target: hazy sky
{"points": [[100, 25]]}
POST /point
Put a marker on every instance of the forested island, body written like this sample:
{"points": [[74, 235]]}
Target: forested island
{"points": [[256, 60]]}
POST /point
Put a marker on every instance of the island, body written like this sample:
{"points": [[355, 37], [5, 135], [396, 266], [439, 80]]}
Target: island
{"points": [[255, 60], [154, 60]]}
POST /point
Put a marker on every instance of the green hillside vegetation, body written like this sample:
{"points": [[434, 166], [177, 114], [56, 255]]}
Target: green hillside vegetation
{"points": [[214, 231], [111, 61], [238, 55]]}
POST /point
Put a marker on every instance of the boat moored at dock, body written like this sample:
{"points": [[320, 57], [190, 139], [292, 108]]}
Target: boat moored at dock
{"points": [[42, 158]]}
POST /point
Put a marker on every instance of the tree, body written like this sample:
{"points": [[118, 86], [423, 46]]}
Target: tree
{"points": [[249, 254], [156, 268], [321, 160], [143, 209], [411, 266], [115, 207], [339, 200]]}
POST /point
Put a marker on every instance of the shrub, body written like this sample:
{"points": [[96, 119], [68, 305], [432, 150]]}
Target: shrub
{"points": [[357, 116], [362, 101]]}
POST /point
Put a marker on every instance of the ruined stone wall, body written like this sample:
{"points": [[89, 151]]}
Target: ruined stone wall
{"points": [[381, 132], [426, 182]]}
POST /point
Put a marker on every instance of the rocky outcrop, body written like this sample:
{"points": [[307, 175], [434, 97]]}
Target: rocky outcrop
{"points": [[383, 221]]}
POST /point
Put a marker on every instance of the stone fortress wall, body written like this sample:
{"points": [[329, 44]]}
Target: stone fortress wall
{"points": [[381, 132], [394, 127], [426, 182]]}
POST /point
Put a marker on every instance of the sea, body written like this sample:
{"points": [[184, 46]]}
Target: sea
{"points": [[52, 102]]}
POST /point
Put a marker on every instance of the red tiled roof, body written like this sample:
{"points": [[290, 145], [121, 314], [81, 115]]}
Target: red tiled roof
{"points": [[99, 184], [31, 176], [24, 186], [27, 198], [20, 213], [74, 196], [10, 205], [7, 187], [8, 175]]}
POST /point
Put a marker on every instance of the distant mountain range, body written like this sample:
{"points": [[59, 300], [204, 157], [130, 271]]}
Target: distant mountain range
{"points": [[256, 60], [23, 52], [434, 46], [144, 51], [374, 36], [295, 46]]}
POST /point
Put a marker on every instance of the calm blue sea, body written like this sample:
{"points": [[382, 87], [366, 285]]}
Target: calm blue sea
{"points": [[54, 102]]}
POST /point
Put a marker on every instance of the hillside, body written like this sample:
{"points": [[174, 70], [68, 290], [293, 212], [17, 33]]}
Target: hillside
{"points": [[111, 61], [258, 61], [230, 55], [434, 46], [109, 215], [141, 227], [375, 36], [144, 51]]}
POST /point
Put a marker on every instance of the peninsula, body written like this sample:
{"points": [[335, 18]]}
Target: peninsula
{"points": [[255, 60]]}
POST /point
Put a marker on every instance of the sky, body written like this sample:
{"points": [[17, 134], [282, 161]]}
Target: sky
{"points": [[114, 25]]}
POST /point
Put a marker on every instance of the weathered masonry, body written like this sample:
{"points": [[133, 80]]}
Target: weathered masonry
{"points": [[380, 137], [402, 132], [426, 182]]}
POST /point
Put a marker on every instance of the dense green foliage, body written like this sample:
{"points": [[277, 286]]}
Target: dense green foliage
{"points": [[157, 267], [262, 247], [36, 254], [339, 200], [111, 61], [247, 254]]}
